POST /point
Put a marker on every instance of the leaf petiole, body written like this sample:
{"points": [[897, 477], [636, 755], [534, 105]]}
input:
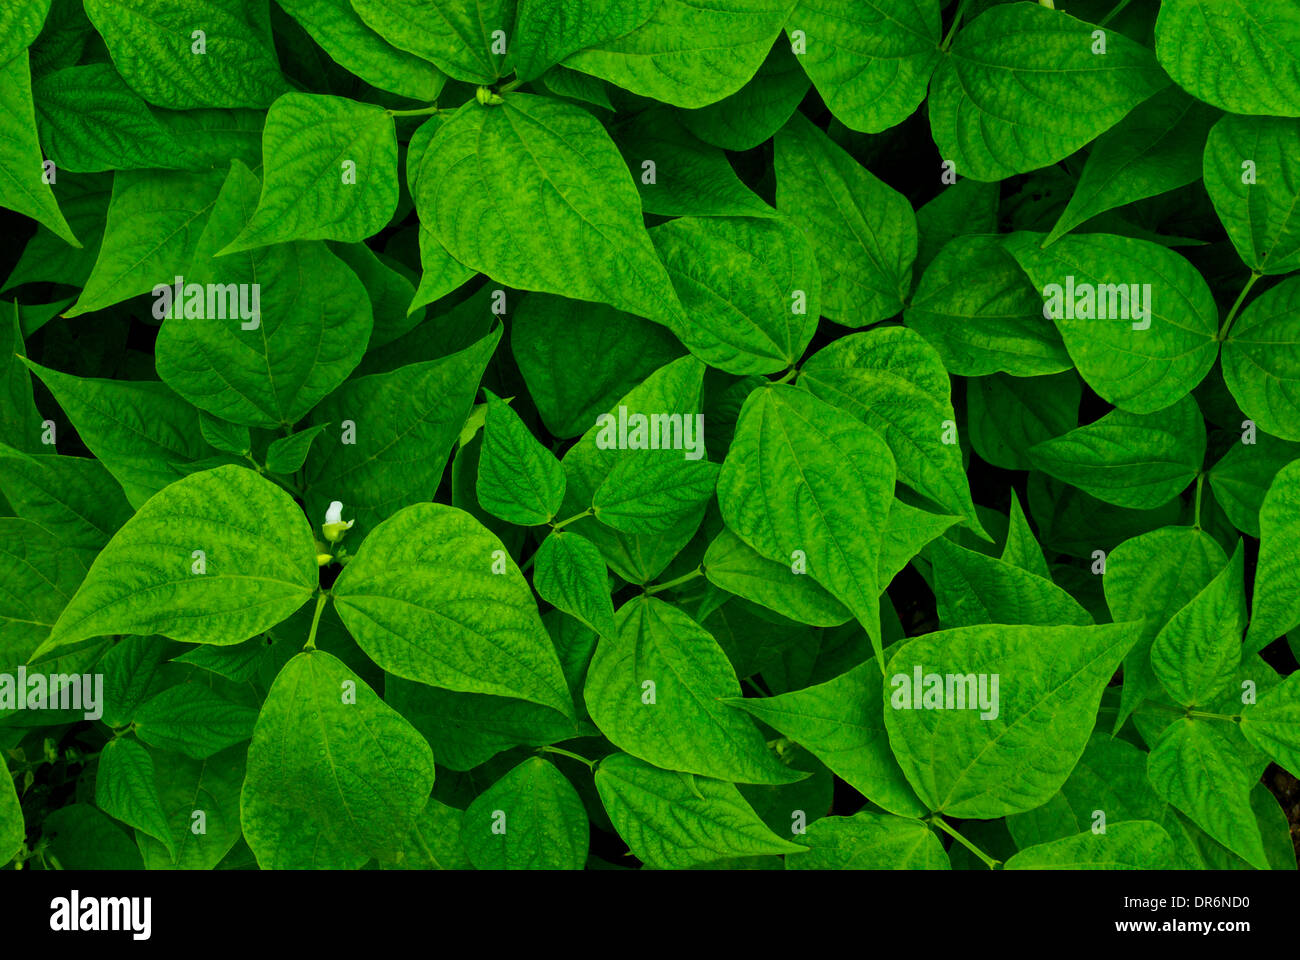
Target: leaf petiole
{"points": [[591, 764], [577, 516], [657, 588], [937, 820], [321, 598], [1232, 314]]}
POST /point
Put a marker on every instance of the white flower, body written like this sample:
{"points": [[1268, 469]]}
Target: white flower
{"points": [[335, 526]]}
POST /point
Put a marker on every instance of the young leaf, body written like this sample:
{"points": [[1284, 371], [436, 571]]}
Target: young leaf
{"points": [[1024, 86], [1242, 64], [1251, 174], [1126, 845], [20, 24], [216, 781], [537, 160], [738, 568], [216, 557], [870, 841], [1006, 416], [13, 833], [863, 231], [1271, 725], [891, 380], [842, 723], [1275, 609], [794, 468], [570, 575], [74, 498], [548, 31], [1261, 359], [757, 110], [467, 41], [1139, 461], [675, 820], [519, 480], [425, 599], [175, 58], [654, 498], [530, 819], [126, 790], [1240, 480], [286, 455], [1198, 770], [335, 776], [1021, 548], [972, 588], [656, 690], [1010, 751]]}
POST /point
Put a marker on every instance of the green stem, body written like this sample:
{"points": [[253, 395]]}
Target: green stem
{"points": [[514, 84], [1214, 716], [788, 375], [591, 764], [1232, 314], [956, 21], [577, 516], [315, 619], [660, 587], [1200, 484], [938, 821], [422, 112], [1119, 7]]}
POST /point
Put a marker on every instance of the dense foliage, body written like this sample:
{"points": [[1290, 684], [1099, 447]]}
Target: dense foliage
{"points": [[589, 433]]}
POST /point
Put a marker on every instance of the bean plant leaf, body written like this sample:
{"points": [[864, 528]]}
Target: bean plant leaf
{"points": [[530, 819], [1276, 606]]}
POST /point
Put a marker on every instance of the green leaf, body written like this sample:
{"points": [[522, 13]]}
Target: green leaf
{"points": [[690, 55], [155, 220], [467, 729], [1024, 86], [1196, 654], [519, 480], [23, 186], [259, 338], [1022, 548], [870, 841], [980, 761], [331, 172], [537, 160], [395, 431], [140, 430], [679, 175], [548, 31], [130, 668], [656, 497], [842, 723], [335, 776], [1271, 725], [75, 498], [12, 830], [81, 837], [1138, 368], [570, 575], [972, 588], [1275, 609], [1006, 416], [863, 231], [530, 819], [895, 383], [1150, 578], [1197, 769], [1261, 359], [551, 337], [978, 310], [424, 599], [257, 565], [757, 110], [871, 61], [738, 568], [126, 790], [906, 533], [224, 436], [90, 120], [962, 209], [804, 475], [673, 390], [750, 286], [1127, 845], [459, 38], [1156, 148], [1240, 479], [154, 46], [187, 787], [1240, 59], [656, 690], [437, 841], [20, 24], [674, 820], [1133, 460], [1253, 176], [194, 720], [286, 455], [352, 45], [390, 292]]}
